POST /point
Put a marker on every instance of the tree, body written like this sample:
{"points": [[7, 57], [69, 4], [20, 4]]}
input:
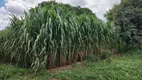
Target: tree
{"points": [[128, 15]]}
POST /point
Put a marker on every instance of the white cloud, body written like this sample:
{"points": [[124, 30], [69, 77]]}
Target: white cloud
{"points": [[18, 6], [101, 7], [78, 2], [15, 7], [3, 10], [3, 18]]}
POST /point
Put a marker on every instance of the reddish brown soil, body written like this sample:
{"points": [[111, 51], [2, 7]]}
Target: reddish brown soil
{"points": [[116, 54], [60, 69], [68, 67]]}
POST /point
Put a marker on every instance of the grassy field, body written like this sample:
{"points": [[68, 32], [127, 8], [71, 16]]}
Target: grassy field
{"points": [[127, 67]]}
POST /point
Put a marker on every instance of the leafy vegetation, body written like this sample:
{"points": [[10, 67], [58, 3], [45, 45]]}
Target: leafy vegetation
{"points": [[128, 16], [53, 34], [119, 68]]}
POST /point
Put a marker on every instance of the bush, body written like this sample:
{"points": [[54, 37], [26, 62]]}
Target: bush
{"points": [[106, 54], [92, 58]]}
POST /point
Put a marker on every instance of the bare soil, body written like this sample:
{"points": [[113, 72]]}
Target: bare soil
{"points": [[68, 67]]}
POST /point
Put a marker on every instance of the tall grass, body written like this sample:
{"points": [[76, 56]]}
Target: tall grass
{"points": [[51, 35]]}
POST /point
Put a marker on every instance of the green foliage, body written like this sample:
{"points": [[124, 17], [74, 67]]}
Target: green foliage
{"points": [[128, 16], [128, 67], [53, 35], [76, 10], [92, 58], [7, 71], [134, 51], [106, 54]]}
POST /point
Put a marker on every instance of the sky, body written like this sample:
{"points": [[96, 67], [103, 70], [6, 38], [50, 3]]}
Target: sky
{"points": [[1, 3], [17, 7]]}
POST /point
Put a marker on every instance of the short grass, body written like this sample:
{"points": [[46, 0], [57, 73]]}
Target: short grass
{"points": [[128, 67]]}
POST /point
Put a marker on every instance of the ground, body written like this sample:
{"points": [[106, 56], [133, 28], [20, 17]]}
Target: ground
{"points": [[126, 67]]}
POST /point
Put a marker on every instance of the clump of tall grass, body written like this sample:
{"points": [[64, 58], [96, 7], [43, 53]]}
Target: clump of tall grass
{"points": [[53, 35]]}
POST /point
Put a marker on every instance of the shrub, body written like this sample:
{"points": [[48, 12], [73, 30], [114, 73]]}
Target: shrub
{"points": [[92, 58], [106, 54]]}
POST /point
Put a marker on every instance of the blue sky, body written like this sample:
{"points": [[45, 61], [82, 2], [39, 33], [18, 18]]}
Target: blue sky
{"points": [[17, 7], [2, 3]]}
